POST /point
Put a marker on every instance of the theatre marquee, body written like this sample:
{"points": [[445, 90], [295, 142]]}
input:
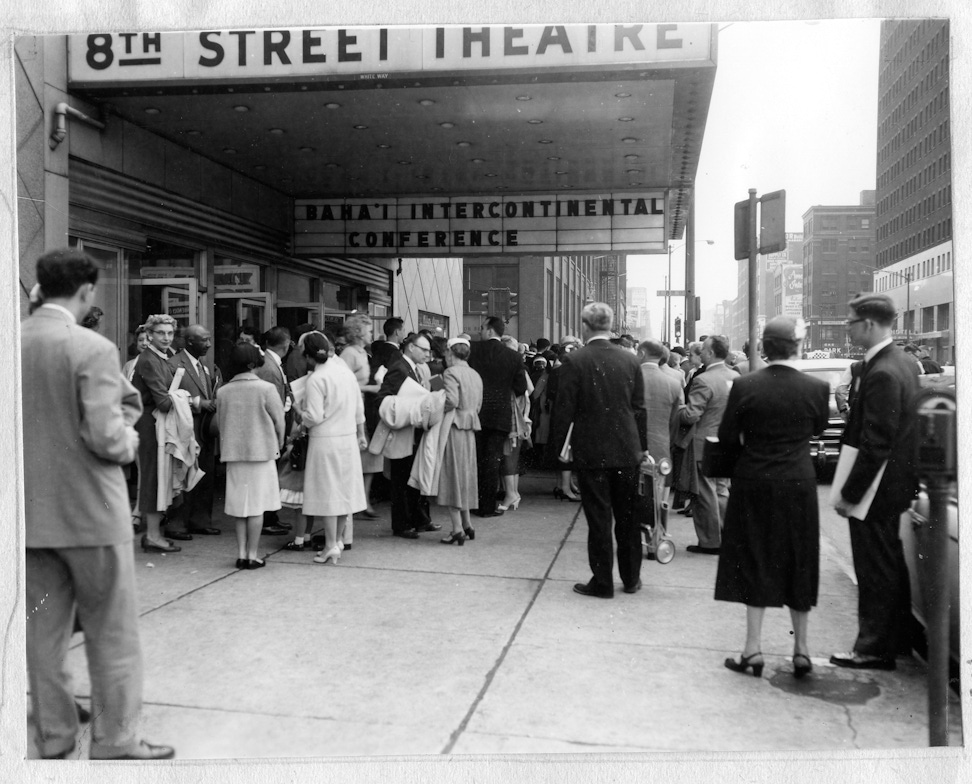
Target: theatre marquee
{"points": [[631, 222]]}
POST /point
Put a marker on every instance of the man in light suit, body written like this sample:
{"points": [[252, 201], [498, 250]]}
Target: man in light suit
{"points": [[704, 407], [196, 511], [602, 394], [663, 399], [882, 425], [409, 508], [78, 534], [278, 344], [503, 373]]}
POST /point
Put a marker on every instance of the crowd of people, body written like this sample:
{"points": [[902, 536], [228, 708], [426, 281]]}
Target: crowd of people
{"points": [[308, 421]]}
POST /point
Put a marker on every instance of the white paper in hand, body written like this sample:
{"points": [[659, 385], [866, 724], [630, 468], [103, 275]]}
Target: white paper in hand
{"points": [[848, 456]]}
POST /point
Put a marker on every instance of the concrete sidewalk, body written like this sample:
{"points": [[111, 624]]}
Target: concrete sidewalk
{"points": [[412, 647]]}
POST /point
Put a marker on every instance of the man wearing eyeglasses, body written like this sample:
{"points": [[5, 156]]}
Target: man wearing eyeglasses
{"points": [[409, 508], [881, 425]]}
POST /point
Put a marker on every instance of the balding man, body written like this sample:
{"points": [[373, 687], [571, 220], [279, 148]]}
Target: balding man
{"points": [[196, 512]]}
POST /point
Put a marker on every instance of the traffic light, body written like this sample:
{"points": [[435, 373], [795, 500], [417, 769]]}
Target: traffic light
{"points": [[678, 327], [513, 305]]}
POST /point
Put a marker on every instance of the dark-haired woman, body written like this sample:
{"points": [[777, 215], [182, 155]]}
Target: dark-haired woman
{"points": [[333, 416], [770, 553], [251, 430]]}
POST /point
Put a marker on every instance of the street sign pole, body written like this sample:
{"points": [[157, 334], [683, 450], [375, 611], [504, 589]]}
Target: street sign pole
{"points": [[689, 309], [755, 360]]}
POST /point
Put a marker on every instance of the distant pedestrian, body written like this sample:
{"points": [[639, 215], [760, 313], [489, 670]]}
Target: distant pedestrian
{"points": [[251, 430]]}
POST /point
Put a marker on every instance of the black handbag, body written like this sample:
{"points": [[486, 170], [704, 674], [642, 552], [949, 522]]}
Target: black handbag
{"points": [[298, 453], [719, 459]]}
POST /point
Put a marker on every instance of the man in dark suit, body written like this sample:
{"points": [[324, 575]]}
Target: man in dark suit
{"points": [[503, 373], [196, 511], [882, 425], [602, 393], [409, 508], [278, 344], [385, 352], [78, 537]]}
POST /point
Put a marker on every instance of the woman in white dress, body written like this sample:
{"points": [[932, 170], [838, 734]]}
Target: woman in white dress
{"points": [[251, 430], [333, 416]]}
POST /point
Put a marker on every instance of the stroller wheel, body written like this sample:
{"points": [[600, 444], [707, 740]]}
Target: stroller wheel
{"points": [[665, 552]]}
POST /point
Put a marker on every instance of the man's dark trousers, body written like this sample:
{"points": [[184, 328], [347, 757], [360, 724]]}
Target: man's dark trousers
{"points": [[884, 592], [489, 456], [607, 493]]}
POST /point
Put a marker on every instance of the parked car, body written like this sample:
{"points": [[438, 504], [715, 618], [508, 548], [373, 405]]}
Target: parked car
{"points": [[825, 446], [911, 520]]}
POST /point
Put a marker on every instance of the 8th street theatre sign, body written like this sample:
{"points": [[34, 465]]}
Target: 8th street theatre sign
{"points": [[104, 59], [626, 221]]}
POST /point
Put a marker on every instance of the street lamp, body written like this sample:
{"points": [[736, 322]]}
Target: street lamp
{"points": [[689, 288]]}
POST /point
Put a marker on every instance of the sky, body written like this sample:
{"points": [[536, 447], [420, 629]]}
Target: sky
{"points": [[794, 108]]}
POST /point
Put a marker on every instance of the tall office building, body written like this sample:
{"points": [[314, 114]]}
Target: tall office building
{"points": [[914, 191], [838, 264]]}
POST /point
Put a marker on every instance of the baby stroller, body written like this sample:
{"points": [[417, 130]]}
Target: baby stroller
{"points": [[655, 542]]}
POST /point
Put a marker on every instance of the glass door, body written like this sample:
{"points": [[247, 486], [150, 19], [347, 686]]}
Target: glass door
{"points": [[232, 312]]}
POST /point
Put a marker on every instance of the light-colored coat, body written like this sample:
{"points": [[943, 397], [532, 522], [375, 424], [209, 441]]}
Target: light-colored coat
{"points": [[663, 398], [707, 402], [75, 435], [251, 419]]}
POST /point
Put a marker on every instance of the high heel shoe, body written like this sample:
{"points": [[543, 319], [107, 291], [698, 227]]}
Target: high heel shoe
{"points": [[511, 505], [470, 533], [558, 494], [331, 555], [745, 662], [804, 666], [569, 496], [457, 537], [152, 547]]}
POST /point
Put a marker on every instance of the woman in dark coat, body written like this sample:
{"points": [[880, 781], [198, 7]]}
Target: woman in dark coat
{"points": [[151, 377], [771, 540]]}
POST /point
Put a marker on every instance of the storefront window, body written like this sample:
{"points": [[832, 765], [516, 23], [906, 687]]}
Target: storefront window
{"points": [[162, 279], [298, 301], [108, 291]]}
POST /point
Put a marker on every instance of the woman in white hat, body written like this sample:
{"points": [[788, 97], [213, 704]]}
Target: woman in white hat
{"points": [[458, 483]]}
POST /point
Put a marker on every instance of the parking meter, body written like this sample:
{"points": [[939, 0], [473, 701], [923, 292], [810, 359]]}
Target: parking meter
{"points": [[936, 462]]}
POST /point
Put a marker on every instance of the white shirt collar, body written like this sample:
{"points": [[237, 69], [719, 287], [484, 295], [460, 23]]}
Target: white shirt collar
{"points": [[272, 354], [790, 363], [873, 350], [717, 362], [409, 360], [161, 354], [62, 309]]}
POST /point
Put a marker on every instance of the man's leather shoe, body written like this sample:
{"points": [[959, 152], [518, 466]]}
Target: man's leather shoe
{"points": [[697, 548], [428, 527], [496, 513], [408, 533], [205, 531], [144, 751], [633, 588], [180, 536], [856, 661], [274, 530], [589, 589]]}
